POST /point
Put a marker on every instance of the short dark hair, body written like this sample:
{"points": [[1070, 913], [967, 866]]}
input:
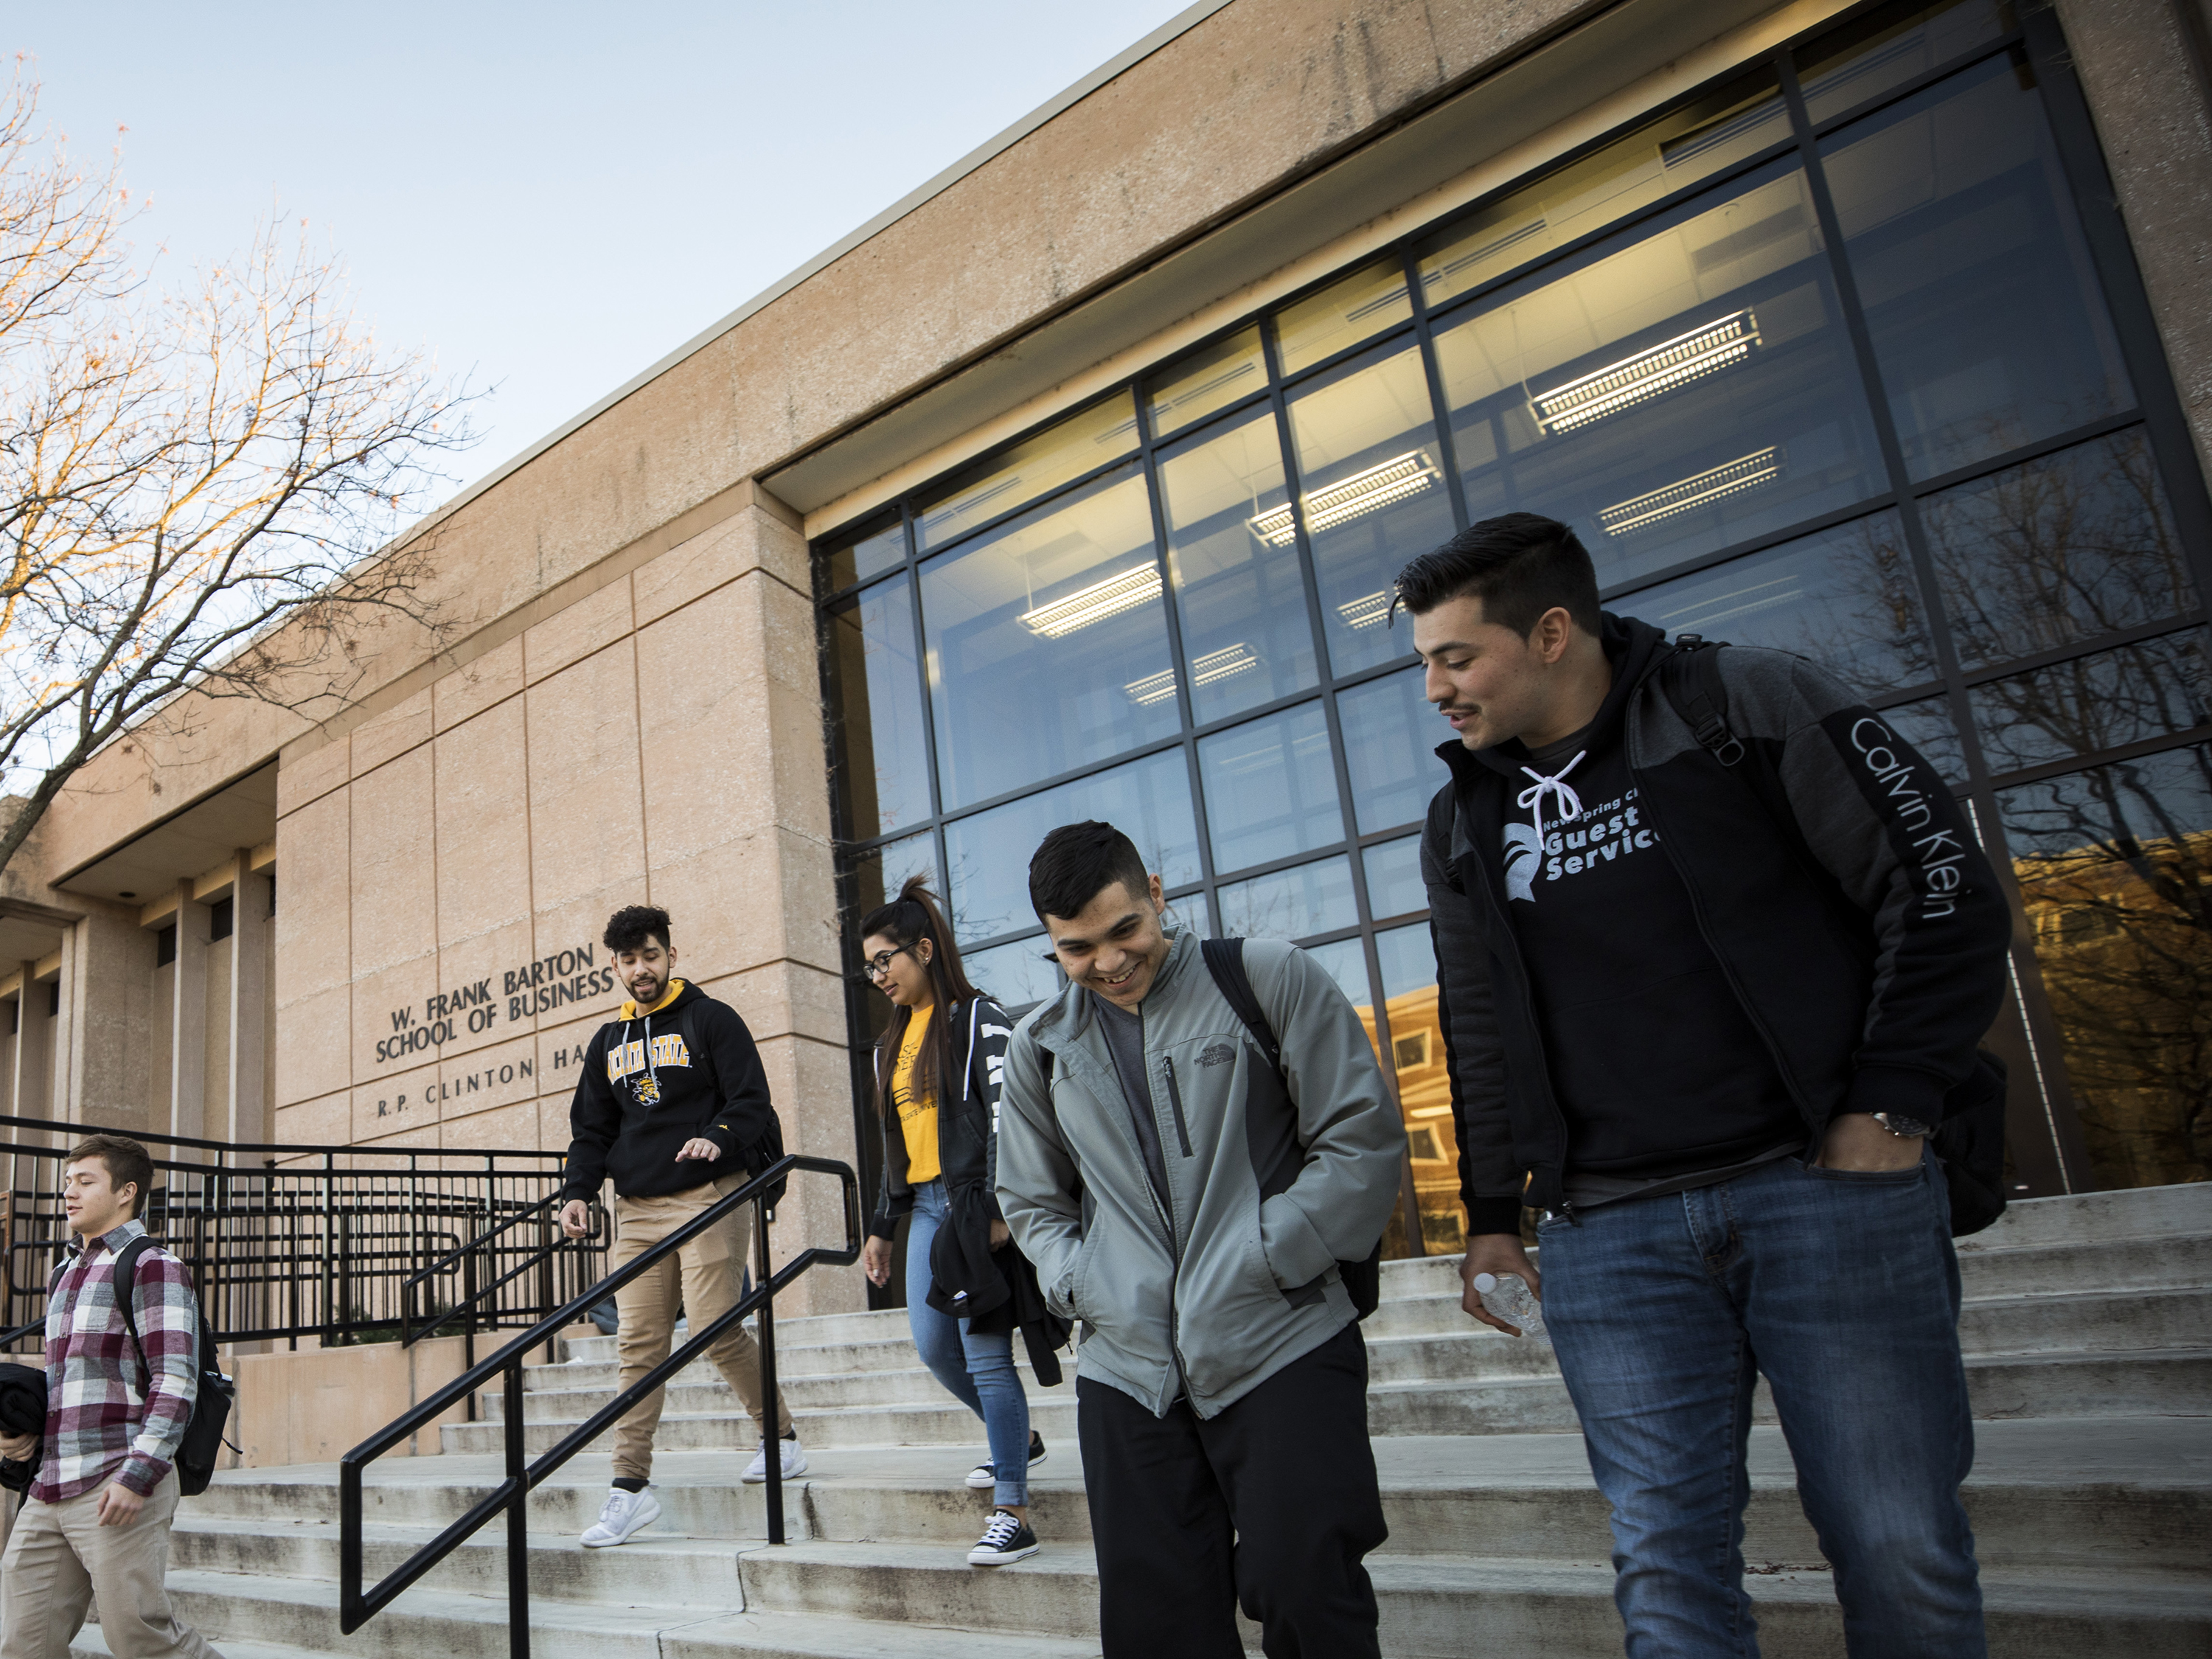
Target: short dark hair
{"points": [[128, 1162], [630, 927], [1520, 565], [1078, 861]]}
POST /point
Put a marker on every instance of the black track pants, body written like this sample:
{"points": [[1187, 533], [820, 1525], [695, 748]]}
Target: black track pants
{"points": [[1272, 1502]]}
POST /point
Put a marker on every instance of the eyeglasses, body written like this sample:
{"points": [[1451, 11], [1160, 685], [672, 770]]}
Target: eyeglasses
{"points": [[879, 965]]}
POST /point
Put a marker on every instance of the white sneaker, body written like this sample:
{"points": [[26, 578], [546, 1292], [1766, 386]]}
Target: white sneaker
{"points": [[624, 1515], [794, 1462], [1007, 1539]]}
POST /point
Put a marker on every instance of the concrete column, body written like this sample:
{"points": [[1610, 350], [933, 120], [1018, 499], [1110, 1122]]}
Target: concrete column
{"points": [[247, 1108], [188, 1018], [24, 1077], [66, 1084]]}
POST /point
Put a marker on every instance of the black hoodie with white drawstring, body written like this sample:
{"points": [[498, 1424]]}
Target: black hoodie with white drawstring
{"points": [[655, 1078]]}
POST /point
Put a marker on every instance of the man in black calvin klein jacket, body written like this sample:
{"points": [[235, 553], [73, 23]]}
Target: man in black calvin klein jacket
{"points": [[1704, 1026]]}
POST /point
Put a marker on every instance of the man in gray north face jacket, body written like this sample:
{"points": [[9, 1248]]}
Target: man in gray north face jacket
{"points": [[1189, 1206]]}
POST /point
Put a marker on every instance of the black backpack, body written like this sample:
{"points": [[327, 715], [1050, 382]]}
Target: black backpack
{"points": [[203, 1444], [1969, 1143]]}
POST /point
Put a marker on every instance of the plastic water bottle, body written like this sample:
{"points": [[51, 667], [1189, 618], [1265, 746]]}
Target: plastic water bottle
{"points": [[1510, 1299]]}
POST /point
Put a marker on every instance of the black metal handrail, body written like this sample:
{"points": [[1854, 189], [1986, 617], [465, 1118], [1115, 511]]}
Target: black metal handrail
{"points": [[357, 1606], [411, 1333]]}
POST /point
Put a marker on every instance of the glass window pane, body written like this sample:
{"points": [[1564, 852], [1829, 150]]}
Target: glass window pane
{"points": [[1887, 46], [1694, 141], [1928, 726], [2149, 690], [1845, 596], [2062, 549], [878, 874], [1270, 788], [1313, 898], [1408, 957], [1986, 317], [1345, 962], [1679, 389], [2114, 878], [1191, 911], [1394, 887], [880, 742], [1044, 638], [868, 553], [1417, 1061], [1081, 443], [1239, 593], [1374, 497], [1349, 310], [1148, 801], [1204, 381], [1020, 975], [1390, 736]]}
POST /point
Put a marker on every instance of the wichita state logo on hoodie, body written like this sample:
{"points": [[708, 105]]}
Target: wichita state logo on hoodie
{"points": [[639, 1059]]}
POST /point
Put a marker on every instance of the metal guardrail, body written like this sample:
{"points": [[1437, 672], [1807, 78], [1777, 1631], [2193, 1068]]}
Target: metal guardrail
{"points": [[357, 1606], [341, 1244]]}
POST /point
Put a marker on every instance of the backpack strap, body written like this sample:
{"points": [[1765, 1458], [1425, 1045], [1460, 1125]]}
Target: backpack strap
{"points": [[1224, 960], [1690, 675], [126, 1275]]}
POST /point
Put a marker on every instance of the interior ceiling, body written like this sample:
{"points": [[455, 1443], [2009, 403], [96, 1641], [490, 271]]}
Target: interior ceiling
{"points": [[1618, 46], [186, 844]]}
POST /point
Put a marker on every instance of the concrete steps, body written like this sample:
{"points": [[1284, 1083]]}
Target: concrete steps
{"points": [[2088, 1327]]}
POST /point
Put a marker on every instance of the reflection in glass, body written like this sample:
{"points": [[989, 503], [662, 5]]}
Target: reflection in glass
{"points": [[2116, 883], [1204, 381], [1344, 961], [1984, 314], [1374, 497], [1270, 788], [1020, 975], [878, 872], [1416, 1060], [1147, 800], [868, 554], [1394, 878], [2152, 689], [1349, 310], [1888, 47], [1043, 638], [1241, 599], [1081, 443], [1704, 137], [1845, 596], [883, 759], [1681, 387], [1390, 736], [1928, 726], [1190, 911], [1313, 898], [2064, 548]]}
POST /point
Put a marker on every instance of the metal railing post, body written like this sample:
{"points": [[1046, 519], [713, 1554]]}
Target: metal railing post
{"points": [[518, 1522], [771, 1404]]}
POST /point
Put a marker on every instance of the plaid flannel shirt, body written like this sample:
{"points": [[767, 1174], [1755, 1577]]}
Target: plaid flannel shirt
{"points": [[104, 1421]]}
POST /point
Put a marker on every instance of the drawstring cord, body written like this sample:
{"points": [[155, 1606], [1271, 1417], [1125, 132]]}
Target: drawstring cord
{"points": [[1570, 804]]}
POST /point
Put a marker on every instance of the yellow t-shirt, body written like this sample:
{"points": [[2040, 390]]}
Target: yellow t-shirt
{"points": [[917, 1116]]}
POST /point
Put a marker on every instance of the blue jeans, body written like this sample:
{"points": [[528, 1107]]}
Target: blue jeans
{"points": [[976, 1370], [1842, 1288]]}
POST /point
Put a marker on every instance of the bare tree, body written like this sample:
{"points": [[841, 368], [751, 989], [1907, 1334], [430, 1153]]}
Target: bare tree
{"points": [[197, 482]]}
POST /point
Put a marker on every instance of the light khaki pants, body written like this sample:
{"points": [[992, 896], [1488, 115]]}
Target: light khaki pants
{"points": [[61, 1560], [705, 1276]]}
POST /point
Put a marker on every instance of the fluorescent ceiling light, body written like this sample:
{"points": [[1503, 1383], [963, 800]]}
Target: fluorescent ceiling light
{"points": [[1367, 611], [1214, 665], [1687, 357], [1138, 584], [1360, 494], [1752, 472]]}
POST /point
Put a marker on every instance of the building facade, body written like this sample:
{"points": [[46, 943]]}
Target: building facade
{"points": [[1073, 487]]}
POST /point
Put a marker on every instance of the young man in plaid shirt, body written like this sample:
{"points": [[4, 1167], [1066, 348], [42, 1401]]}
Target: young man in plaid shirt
{"points": [[95, 1527]]}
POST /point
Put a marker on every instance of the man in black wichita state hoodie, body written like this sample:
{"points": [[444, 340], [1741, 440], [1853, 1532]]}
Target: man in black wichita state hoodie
{"points": [[1709, 1048], [674, 1106]]}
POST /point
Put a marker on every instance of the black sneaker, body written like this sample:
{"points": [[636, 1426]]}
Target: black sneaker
{"points": [[1007, 1538], [984, 1476]]}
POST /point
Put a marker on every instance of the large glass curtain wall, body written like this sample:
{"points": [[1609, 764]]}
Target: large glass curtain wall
{"points": [[1840, 356]]}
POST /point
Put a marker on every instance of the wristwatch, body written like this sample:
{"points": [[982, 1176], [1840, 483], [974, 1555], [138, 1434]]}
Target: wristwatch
{"points": [[1904, 1127]]}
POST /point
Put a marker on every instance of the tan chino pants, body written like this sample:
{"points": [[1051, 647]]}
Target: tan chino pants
{"points": [[705, 1276], [60, 1561]]}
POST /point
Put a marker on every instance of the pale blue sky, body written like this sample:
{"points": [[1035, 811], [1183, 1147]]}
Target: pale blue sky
{"points": [[552, 196]]}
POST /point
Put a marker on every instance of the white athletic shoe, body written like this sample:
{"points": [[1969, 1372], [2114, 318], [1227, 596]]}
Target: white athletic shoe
{"points": [[794, 1462], [1007, 1539], [624, 1515]]}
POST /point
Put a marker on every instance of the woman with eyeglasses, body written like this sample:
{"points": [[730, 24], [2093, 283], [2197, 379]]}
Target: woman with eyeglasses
{"points": [[937, 1094]]}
